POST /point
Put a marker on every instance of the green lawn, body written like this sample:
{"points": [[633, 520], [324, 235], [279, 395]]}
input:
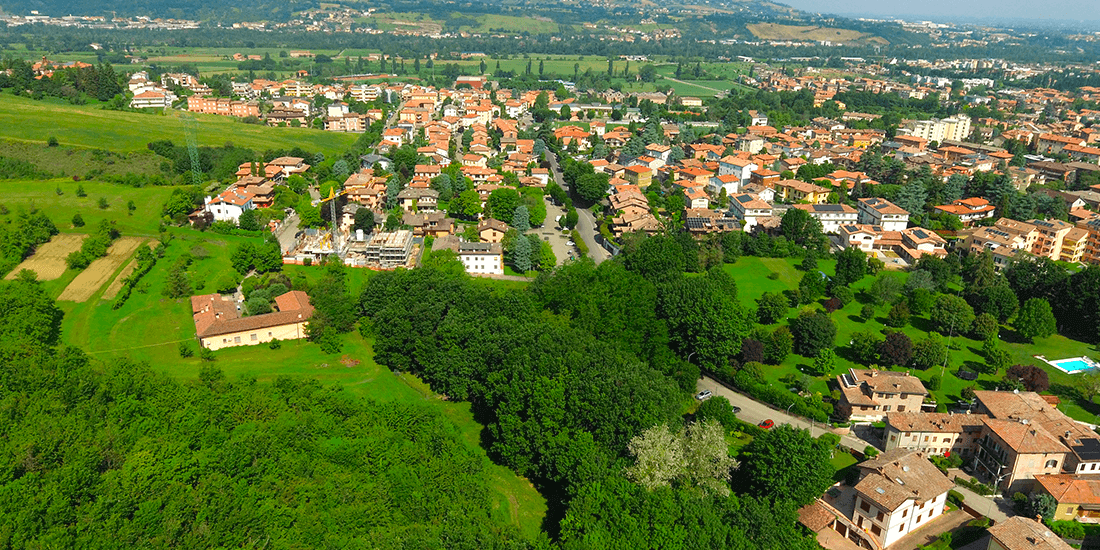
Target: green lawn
{"points": [[90, 126], [150, 327], [751, 274], [42, 194]]}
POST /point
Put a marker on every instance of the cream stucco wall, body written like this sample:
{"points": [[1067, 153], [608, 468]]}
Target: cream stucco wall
{"points": [[252, 337]]}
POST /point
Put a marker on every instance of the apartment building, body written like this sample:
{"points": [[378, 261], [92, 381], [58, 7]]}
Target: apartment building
{"points": [[749, 209], [956, 128], [798, 190]]}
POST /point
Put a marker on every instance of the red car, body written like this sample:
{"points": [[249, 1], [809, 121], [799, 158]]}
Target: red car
{"points": [[767, 424]]}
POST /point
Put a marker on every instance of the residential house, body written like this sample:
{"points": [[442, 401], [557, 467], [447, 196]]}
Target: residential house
{"points": [[968, 210], [429, 224], [898, 492], [642, 176], [798, 190], [869, 395], [1020, 533], [831, 216], [935, 434], [480, 258], [229, 204], [491, 230], [881, 212], [695, 197], [218, 321], [736, 166], [749, 209], [1078, 497], [418, 198]]}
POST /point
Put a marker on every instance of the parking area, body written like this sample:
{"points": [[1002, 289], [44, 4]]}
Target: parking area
{"points": [[558, 239]]}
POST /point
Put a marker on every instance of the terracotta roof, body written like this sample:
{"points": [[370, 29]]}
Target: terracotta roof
{"points": [[214, 314], [933, 422], [1020, 533], [1027, 438], [1070, 488], [815, 516], [899, 475]]}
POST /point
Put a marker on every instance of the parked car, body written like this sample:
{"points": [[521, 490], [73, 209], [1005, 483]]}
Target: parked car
{"points": [[704, 395], [569, 243], [767, 424], [736, 409]]}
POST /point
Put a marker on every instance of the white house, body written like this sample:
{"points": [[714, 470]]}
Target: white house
{"points": [[877, 211], [898, 492], [831, 216], [729, 182], [487, 258], [748, 208], [152, 97], [229, 205], [742, 168]]}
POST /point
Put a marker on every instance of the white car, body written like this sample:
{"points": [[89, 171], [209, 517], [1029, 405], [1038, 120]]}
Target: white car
{"points": [[570, 243], [704, 395]]}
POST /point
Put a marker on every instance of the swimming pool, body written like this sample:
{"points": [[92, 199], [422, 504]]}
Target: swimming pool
{"points": [[1073, 365]]}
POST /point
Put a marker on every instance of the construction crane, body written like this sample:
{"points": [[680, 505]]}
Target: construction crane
{"points": [[333, 194]]}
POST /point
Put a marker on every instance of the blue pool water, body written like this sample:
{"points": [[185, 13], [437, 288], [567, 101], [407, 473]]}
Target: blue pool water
{"points": [[1072, 365]]}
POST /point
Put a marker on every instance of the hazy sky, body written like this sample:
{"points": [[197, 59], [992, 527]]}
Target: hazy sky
{"points": [[1021, 9]]}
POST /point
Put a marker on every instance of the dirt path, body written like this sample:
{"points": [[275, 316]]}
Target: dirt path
{"points": [[696, 85]]}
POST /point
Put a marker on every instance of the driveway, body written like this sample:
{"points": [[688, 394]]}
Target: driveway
{"points": [[756, 412]]}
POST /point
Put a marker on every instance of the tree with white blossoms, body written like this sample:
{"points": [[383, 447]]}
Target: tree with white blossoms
{"points": [[695, 456]]}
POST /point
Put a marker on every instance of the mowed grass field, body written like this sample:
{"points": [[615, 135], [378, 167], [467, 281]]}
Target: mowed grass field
{"points": [[90, 126], [751, 274], [27, 195]]}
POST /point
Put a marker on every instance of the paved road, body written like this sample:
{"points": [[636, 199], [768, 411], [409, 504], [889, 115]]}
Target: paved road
{"points": [[287, 234], [586, 222], [756, 412], [551, 232]]}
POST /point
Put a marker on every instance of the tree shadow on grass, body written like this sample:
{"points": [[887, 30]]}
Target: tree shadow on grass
{"points": [[1012, 336], [856, 318], [1070, 393], [921, 323]]}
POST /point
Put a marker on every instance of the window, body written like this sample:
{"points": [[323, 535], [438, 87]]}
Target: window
{"points": [[875, 529], [905, 513], [901, 528], [893, 438], [254, 338], [269, 333], [864, 506], [1052, 464], [236, 339], [886, 408], [901, 408], [880, 515], [926, 439]]}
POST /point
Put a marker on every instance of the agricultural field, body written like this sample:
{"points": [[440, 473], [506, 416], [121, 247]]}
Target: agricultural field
{"points": [[89, 281], [775, 31], [18, 195], [93, 127], [48, 261], [751, 274]]}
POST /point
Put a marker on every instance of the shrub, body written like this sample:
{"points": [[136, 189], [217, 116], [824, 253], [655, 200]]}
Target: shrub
{"points": [[898, 316], [307, 262], [870, 452], [275, 344], [206, 354], [773, 276], [844, 294], [78, 220], [1068, 529], [185, 350], [935, 382], [955, 497], [867, 312], [832, 304], [52, 142]]}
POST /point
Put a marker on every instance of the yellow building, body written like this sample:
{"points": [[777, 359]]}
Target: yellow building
{"points": [[798, 191], [218, 321]]}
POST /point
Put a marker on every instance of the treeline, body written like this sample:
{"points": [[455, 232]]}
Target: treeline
{"points": [[114, 455], [76, 85], [20, 236], [571, 374], [146, 259], [94, 246]]}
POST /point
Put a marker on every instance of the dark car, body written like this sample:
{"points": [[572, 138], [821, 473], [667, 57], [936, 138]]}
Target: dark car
{"points": [[767, 424], [736, 409]]}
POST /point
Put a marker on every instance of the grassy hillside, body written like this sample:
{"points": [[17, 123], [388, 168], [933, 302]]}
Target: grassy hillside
{"points": [[90, 126]]}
